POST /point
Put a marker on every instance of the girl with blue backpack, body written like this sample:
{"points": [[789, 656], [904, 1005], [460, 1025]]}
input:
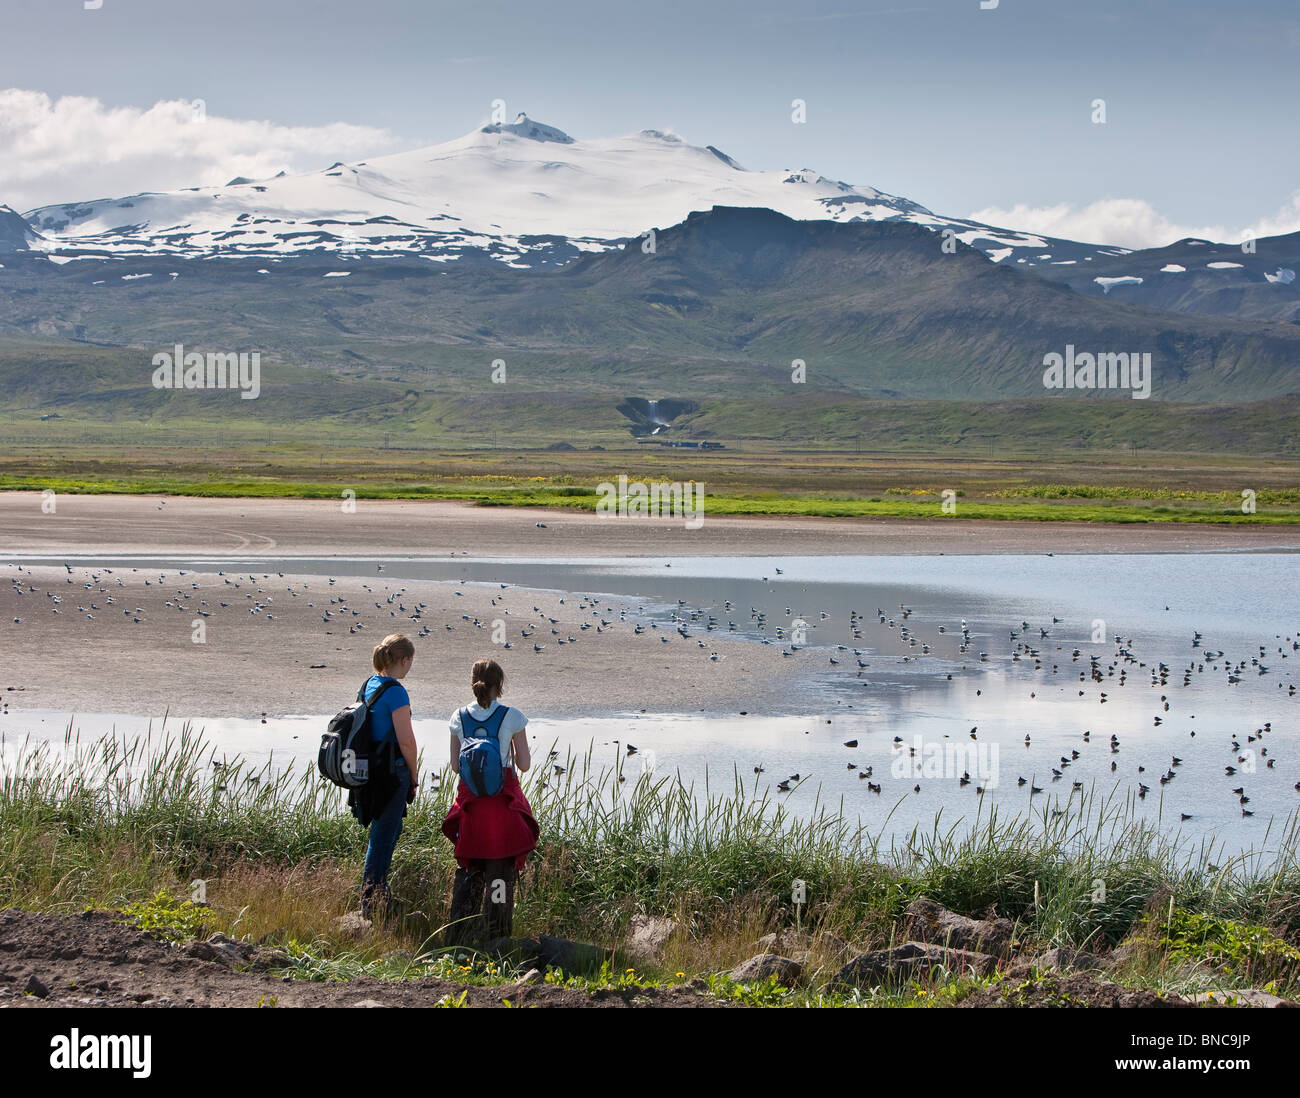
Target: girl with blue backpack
{"points": [[491, 822], [392, 736]]}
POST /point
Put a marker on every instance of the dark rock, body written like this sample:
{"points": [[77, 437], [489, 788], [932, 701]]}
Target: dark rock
{"points": [[932, 922], [222, 948], [570, 956], [35, 987], [908, 962], [1061, 957], [200, 951], [791, 941], [520, 952], [785, 970], [266, 957]]}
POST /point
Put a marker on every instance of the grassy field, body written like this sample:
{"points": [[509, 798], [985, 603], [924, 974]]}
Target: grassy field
{"points": [[127, 826], [61, 393], [76, 416], [1161, 487]]}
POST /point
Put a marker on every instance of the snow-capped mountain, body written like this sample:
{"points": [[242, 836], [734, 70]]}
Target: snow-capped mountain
{"points": [[522, 193], [16, 235]]}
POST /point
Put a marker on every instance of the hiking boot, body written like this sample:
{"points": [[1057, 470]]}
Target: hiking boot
{"points": [[376, 902]]}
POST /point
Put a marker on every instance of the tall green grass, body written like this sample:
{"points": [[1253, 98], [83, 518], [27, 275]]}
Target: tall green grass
{"points": [[110, 822], [1025, 503]]}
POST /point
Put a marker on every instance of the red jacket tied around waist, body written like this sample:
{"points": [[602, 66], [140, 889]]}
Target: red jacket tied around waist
{"points": [[500, 826]]}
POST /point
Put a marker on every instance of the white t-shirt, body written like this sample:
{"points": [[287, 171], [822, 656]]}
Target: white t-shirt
{"points": [[514, 721]]}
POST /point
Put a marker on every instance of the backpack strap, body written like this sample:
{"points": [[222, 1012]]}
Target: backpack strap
{"points": [[383, 686], [391, 742], [468, 726], [492, 724]]}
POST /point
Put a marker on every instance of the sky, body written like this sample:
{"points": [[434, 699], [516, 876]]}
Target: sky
{"points": [[987, 113]]}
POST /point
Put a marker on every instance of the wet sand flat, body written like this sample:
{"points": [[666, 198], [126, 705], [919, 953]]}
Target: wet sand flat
{"points": [[72, 649], [259, 652], [106, 525]]}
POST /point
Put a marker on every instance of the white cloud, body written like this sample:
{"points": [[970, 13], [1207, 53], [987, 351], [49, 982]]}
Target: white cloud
{"points": [[1130, 223], [76, 148], [1286, 220]]}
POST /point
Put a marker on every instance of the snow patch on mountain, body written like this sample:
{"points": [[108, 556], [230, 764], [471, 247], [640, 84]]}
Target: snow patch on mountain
{"points": [[524, 194], [1108, 284]]}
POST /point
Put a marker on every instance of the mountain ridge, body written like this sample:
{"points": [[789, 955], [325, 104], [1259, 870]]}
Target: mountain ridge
{"points": [[724, 303], [507, 191]]}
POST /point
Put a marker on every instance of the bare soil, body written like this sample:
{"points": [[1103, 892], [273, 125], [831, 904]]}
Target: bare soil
{"points": [[1077, 989], [100, 959]]}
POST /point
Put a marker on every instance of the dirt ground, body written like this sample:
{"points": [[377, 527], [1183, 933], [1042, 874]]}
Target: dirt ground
{"points": [[98, 959], [1078, 989]]}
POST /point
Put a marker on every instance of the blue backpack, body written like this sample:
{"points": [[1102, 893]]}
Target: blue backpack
{"points": [[480, 753]]}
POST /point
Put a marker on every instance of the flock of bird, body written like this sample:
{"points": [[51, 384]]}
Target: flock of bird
{"points": [[1031, 647], [511, 625]]}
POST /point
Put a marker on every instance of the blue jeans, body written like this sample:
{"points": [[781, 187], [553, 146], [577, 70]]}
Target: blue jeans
{"points": [[384, 831]]}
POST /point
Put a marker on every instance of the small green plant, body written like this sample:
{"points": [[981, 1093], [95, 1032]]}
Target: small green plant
{"points": [[756, 993], [950, 990], [165, 917], [1193, 936], [450, 1002], [604, 980]]}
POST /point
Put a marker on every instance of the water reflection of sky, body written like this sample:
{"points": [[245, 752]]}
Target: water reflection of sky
{"points": [[1003, 686]]}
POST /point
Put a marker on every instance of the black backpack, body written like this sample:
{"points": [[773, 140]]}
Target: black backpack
{"points": [[346, 747]]}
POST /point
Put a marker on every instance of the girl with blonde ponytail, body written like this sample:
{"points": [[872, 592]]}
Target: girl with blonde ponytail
{"points": [[390, 720]]}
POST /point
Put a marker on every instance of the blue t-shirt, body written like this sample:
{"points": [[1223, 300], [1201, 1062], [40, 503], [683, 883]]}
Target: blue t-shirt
{"points": [[381, 713]]}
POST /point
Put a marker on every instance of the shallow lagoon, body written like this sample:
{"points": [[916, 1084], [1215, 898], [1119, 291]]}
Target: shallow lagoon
{"points": [[1002, 686]]}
